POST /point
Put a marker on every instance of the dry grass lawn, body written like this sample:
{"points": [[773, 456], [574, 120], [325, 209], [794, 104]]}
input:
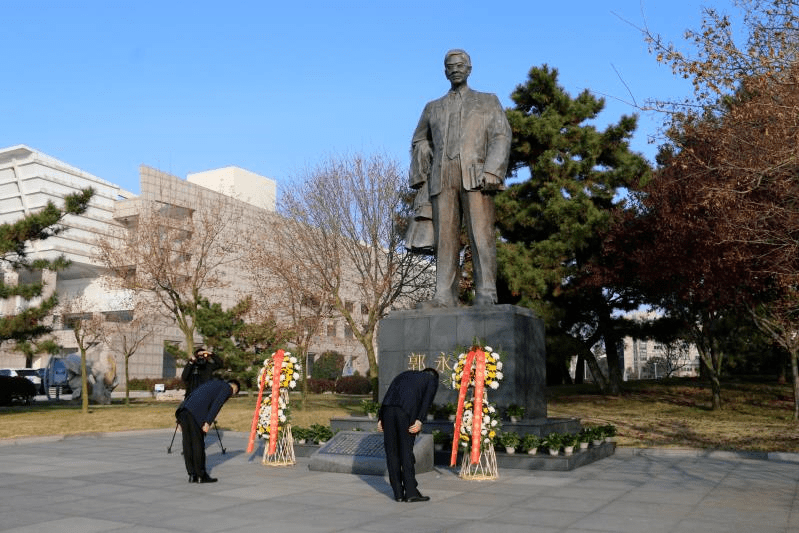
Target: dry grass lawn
{"points": [[755, 417]]}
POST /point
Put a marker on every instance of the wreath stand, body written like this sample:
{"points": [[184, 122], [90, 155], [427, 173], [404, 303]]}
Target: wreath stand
{"points": [[284, 451], [484, 469]]}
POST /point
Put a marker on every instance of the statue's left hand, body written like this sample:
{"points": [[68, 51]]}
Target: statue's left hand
{"points": [[491, 182]]}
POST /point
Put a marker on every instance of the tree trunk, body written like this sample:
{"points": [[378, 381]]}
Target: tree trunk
{"points": [[127, 380], [596, 372], [713, 376], [84, 382], [795, 371], [579, 370]]}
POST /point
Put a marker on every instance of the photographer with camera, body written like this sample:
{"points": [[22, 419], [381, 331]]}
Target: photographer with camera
{"points": [[200, 369]]}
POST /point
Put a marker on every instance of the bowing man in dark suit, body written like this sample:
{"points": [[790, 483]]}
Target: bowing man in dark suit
{"points": [[195, 416], [405, 404]]}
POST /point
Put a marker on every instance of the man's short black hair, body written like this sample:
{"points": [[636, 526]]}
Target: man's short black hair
{"points": [[433, 371], [199, 350]]}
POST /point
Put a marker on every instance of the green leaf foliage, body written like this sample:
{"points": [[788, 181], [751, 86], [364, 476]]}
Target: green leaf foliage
{"points": [[552, 224], [15, 241]]}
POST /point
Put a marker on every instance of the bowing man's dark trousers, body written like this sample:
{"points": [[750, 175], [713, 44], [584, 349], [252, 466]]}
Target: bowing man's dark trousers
{"points": [[398, 443]]}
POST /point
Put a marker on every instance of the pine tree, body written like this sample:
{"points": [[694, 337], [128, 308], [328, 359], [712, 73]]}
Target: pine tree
{"points": [[15, 244], [552, 224]]}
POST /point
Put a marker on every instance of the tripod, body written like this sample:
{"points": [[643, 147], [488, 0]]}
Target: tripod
{"points": [[218, 437]]}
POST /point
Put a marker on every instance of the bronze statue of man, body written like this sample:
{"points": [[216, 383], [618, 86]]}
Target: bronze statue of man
{"points": [[460, 155]]}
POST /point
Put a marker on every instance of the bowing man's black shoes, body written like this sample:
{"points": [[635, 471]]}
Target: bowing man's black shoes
{"points": [[193, 478], [418, 498], [205, 478]]}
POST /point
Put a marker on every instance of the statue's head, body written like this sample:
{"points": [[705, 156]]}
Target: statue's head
{"points": [[457, 66]]}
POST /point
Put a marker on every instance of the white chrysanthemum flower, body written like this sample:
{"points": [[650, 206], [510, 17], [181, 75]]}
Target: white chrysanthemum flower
{"points": [[293, 360], [491, 409], [292, 384], [500, 375], [493, 423], [489, 349], [494, 385], [483, 432], [499, 365]]}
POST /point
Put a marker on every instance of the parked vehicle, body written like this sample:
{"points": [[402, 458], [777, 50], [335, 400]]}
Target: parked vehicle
{"points": [[35, 377], [56, 378], [8, 372], [16, 389]]}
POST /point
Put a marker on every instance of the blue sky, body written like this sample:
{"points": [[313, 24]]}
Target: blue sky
{"points": [[275, 87]]}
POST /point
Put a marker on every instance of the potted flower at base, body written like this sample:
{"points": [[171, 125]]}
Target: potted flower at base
{"points": [[321, 434], [608, 431], [440, 439], [370, 407], [449, 410], [515, 412], [597, 437], [431, 414], [530, 443], [569, 441], [300, 434], [553, 442], [509, 439], [584, 438]]}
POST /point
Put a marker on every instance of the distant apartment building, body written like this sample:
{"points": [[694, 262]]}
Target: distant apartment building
{"points": [[649, 359], [28, 179]]}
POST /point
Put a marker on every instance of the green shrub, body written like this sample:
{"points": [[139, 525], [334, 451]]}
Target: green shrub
{"points": [[353, 385], [328, 365], [148, 384], [318, 386]]}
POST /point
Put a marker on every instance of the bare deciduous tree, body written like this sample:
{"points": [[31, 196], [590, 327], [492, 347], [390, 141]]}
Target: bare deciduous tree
{"points": [[124, 332], [280, 287], [174, 253], [342, 231], [87, 327]]}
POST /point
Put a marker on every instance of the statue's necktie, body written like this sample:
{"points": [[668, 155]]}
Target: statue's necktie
{"points": [[454, 108]]}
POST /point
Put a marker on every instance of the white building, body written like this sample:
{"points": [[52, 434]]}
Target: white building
{"points": [[28, 179]]}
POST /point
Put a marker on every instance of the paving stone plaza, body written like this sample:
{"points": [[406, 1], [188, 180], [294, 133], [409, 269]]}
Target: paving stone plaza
{"points": [[124, 482]]}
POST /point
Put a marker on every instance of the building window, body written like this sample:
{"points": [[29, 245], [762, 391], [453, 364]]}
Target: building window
{"points": [[118, 316], [331, 330], [348, 332], [349, 306], [364, 309]]}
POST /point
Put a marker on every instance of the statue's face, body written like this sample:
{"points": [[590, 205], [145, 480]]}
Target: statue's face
{"points": [[457, 69]]}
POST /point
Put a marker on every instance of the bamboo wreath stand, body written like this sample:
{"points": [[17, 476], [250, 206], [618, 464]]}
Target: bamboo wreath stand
{"points": [[484, 469], [486, 466], [284, 451]]}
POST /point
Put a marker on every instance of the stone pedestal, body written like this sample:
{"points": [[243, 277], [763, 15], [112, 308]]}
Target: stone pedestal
{"points": [[514, 331]]}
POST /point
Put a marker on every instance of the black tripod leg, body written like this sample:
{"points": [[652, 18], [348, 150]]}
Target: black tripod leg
{"points": [[169, 448], [219, 437]]}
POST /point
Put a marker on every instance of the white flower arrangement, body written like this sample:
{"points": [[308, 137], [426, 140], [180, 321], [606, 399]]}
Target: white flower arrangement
{"points": [[493, 370]]}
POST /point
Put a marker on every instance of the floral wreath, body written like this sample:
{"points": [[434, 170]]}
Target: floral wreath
{"points": [[493, 369], [289, 371], [488, 428], [265, 417]]}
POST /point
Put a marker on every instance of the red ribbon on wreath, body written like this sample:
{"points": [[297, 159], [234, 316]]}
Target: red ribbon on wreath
{"points": [[277, 369], [261, 381], [478, 357]]}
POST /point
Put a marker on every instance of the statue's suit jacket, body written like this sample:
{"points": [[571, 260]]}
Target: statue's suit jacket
{"points": [[484, 143]]}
